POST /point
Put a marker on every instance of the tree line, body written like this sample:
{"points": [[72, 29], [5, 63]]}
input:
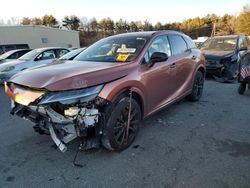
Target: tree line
{"points": [[91, 30]]}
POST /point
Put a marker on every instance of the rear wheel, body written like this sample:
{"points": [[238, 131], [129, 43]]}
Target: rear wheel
{"points": [[117, 134], [242, 88], [197, 87]]}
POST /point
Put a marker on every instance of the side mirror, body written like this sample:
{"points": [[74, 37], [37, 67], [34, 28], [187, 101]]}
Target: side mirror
{"points": [[157, 57]]}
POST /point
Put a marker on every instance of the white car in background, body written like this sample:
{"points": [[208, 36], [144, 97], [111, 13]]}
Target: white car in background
{"points": [[33, 58]]}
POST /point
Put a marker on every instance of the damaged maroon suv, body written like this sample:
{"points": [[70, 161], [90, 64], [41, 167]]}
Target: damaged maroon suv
{"points": [[101, 96]]}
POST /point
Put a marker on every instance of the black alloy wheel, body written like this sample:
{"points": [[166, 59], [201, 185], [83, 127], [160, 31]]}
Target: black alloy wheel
{"points": [[119, 133], [198, 85]]}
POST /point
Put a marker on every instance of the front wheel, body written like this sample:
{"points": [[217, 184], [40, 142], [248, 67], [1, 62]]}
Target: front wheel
{"points": [[117, 134], [197, 87]]}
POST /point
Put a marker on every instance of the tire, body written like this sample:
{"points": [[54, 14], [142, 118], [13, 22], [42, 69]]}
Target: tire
{"points": [[197, 88], [242, 89], [115, 136]]}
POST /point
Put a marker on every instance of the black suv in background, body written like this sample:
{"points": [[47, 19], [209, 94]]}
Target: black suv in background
{"points": [[223, 55]]}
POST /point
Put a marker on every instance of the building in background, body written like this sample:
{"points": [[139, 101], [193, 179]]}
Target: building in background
{"points": [[16, 37]]}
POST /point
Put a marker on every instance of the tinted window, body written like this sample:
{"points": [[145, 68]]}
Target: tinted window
{"points": [[13, 56], [178, 44], [8, 48], [160, 44], [1, 50], [22, 46], [21, 53]]}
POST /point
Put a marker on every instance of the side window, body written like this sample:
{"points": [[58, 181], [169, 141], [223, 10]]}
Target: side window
{"points": [[243, 42], [21, 53], [9, 47], [160, 44], [178, 44], [61, 52], [49, 54], [13, 56]]}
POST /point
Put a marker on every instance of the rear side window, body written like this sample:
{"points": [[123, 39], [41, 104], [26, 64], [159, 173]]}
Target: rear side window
{"points": [[13, 56], [21, 53], [178, 44], [61, 52]]}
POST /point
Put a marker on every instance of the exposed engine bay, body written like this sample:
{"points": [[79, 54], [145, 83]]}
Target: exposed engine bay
{"points": [[64, 122]]}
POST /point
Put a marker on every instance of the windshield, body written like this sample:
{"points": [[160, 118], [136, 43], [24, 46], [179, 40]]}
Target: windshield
{"points": [[30, 55], [71, 54], [6, 55], [113, 49], [220, 44]]}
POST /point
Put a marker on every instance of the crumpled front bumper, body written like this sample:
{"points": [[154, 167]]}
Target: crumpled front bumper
{"points": [[63, 124]]}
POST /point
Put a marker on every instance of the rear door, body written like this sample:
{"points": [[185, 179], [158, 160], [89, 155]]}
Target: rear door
{"points": [[184, 62]]}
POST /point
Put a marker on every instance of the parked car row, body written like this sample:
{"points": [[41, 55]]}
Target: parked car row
{"points": [[30, 59], [13, 54], [102, 95]]}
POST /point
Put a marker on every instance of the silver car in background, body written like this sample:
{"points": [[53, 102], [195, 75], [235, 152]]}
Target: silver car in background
{"points": [[13, 54], [31, 59]]}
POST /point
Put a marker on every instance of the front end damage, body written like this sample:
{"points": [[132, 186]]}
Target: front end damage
{"points": [[65, 116], [222, 68]]}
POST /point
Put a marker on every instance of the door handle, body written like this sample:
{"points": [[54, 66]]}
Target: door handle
{"points": [[173, 65], [194, 57]]}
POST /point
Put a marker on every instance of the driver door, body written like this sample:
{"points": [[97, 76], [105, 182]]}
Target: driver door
{"points": [[160, 78]]}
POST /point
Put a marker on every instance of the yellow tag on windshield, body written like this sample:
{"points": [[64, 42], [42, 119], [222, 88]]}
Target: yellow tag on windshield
{"points": [[122, 57]]}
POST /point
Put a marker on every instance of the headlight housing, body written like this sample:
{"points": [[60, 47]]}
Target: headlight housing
{"points": [[7, 69], [72, 96]]}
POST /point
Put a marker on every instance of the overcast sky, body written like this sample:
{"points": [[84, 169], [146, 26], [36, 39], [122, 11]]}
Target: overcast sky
{"points": [[131, 10]]}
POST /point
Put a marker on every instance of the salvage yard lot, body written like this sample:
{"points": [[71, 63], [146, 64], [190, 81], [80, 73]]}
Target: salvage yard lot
{"points": [[203, 144]]}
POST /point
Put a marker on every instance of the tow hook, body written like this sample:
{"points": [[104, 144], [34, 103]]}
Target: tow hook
{"points": [[62, 147]]}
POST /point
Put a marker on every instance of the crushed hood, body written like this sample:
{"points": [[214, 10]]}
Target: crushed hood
{"points": [[67, 75], [217, 54]]}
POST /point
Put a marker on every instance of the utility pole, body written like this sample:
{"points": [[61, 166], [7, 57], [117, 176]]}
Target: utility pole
{"points": [[213, 30]]}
